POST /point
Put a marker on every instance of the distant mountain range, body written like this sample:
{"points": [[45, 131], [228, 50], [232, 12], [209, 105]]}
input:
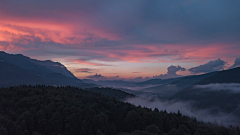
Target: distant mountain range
{"points": [[217, 91], [110, 83], [18, 70], [169, 87], [164, 88]]}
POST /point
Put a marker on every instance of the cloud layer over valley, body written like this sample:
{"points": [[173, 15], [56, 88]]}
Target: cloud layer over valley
{"points": [[231, 87], [186, 108]]}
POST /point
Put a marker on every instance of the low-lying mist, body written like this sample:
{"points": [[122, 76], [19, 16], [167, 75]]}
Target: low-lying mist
{"points": [[187, 109], [137, 88], [232, 87]]}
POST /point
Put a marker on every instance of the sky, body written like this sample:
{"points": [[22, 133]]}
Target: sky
{"points": [[125, 38]]}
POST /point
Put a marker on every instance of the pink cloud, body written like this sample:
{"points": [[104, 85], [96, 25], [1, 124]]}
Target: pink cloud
{"points": [[84, 34], [168, 53], [24, 30], [84, 62], [94, 31]]}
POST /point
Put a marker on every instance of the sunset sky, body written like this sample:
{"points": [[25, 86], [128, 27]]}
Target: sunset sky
{"points": [[125, 38]]}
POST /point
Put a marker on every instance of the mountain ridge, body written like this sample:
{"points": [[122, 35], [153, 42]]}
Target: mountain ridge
{"points": [[41, 67], [212, 93], [19, 69]]}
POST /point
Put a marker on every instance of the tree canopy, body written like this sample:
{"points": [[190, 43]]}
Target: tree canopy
{"points": [[48, 110]]}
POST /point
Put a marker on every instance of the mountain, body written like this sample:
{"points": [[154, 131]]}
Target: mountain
{"points": [[163, 88], [189, 80], [226, 76], [11, 75], [54, 66], [62, 79], [89, 81], [111, 83], [168, 87], [127, 86], [149, 82], [219, 91], [37, 66], [18, 69]]}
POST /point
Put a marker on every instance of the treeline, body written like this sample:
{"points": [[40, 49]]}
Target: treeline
{"points": [[111, 92], [48, 110]]}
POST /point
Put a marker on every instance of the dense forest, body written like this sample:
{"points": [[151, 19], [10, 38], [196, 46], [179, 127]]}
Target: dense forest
{"points": [[48, 110]]}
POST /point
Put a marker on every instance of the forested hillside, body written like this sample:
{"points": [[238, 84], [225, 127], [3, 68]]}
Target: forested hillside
{"points": [[118, 94], [41, 110]]}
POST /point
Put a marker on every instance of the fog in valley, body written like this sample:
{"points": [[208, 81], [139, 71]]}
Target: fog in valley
{"points": [[187, 109], [231, 87]]}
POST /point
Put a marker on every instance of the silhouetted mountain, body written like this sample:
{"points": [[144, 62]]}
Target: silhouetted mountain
{"points": [[11, 75], [54, 66], [225, 76], [149, 82], [89, 81], [169, 87], [189, 80], [24, 63], [220, 91], [18, 70], [115, 83], [110, 83], [61, 79], [39, 67], [163, 88]]}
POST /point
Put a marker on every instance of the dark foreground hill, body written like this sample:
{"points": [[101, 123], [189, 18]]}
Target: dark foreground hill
{"points": [[118, 94], [41, 110]]}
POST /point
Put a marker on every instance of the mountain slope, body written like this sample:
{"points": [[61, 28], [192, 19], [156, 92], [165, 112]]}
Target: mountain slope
{"points": [[23, 62], [11, 75], [169, 87], [61, 79], [39, 67], [18, 70], [150, 82], [54, 66], [189, 80], [226, 76], [214, 91]]}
